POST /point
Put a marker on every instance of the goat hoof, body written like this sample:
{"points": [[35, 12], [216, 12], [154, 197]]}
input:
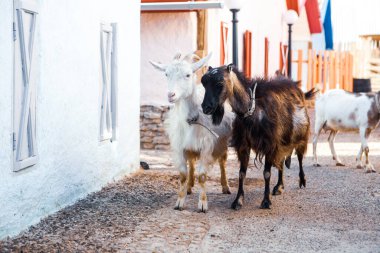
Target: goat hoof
{"points": [[189, 191], [265, 204], [316, 165], [179, 208], [278, 190], [202, 207], [179, 204], [340, 164], [238, 203], [302, 182], [226, 190], [369, 168]]}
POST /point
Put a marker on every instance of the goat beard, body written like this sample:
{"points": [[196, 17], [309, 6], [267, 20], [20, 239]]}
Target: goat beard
{"points": [[217, 115]]}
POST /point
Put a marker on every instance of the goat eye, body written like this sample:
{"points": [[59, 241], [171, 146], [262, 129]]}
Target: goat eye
{"points": [[188, 75]]}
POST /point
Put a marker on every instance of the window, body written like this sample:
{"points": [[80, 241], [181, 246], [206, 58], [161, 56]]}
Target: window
{"points": [[108, 105], [24, 89]]}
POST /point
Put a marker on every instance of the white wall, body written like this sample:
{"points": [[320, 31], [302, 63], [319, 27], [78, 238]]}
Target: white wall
{"points": [[162, 36], [263, 19], [72, 162], [351, 18]]}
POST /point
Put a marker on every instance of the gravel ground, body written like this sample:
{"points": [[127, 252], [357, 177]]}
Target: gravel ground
{"points": [[338, 211]]}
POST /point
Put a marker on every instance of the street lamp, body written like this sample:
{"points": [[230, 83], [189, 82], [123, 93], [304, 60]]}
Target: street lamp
{"points": [[290, 18], [234, 6]]}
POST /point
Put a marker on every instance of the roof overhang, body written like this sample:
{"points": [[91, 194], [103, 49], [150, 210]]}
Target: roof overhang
{"points": [[181, 6]]}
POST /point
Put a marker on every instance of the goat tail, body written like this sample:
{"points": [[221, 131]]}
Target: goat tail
{"points": [[311, 93]]}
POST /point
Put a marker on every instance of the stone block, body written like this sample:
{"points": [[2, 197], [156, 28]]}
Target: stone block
{"points": [[146, 139], [147, 145], [160, 140], [152, 115], [162, 147]]}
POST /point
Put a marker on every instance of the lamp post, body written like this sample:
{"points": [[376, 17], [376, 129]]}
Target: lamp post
{"points": [[234, 6], [290, 18]]}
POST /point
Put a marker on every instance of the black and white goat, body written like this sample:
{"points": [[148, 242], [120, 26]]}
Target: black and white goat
{"points": [[271, 120], [338, 110]]}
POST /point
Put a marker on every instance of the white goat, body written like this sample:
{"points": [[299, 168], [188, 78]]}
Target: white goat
{"points": [[190, 142], [338, 110]]}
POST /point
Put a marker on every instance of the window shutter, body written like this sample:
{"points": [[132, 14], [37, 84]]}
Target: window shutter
{"points": [[223, 43], [24, 111], [108, 107]]}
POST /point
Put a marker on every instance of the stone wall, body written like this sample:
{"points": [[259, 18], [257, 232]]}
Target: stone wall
{"points": [[152, 132]]}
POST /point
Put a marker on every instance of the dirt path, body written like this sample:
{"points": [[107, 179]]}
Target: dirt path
{"points": [[338, 211]]}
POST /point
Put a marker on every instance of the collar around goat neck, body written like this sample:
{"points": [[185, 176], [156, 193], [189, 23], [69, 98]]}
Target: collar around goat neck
{"points": [[252, 102], [194, 122]]}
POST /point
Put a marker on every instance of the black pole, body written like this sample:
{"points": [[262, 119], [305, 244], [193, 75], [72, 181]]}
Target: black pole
{"points": [[235, 60], [290, 52]]}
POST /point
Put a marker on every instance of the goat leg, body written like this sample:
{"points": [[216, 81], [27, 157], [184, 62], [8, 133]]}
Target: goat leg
{"points": [[359, 164], [223, 176], [279, 187], [368, 166], [266, 203], [243, 156], [202, 178], [302, 181], [182, 192], [190, 182], [331, 140], [182, 184], [364, 134], [202, 203], [288, 161], [317, 132]]}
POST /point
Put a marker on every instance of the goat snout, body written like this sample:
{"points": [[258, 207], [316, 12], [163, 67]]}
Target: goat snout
{"points": [[207, 109], [171, 96]]}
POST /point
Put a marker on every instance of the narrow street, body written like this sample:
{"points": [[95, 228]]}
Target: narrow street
{"points": [[338, 211]]}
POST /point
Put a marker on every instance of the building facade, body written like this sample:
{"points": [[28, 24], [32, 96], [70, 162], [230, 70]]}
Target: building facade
{"points": [[69, 112]]}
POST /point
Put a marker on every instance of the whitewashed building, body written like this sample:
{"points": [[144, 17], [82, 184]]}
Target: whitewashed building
{"points": [[69, 107]]}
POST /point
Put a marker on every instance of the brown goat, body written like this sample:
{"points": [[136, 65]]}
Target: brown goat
{"points": [[271, 120]]}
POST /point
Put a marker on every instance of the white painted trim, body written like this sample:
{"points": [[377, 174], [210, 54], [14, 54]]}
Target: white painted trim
{"points": [[114, 84], [25, 124], [109, 87], [106, 27], [27, 5], [20, 165], [182, 6]]}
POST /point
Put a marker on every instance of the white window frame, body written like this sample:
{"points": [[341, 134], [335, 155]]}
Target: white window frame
{"points": [[24, 104], [109, 82]]}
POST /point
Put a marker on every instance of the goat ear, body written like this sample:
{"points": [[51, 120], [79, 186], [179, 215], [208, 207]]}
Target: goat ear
{"points": [[158, 65], [229, 67], [191, 58], [199, 64]]}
